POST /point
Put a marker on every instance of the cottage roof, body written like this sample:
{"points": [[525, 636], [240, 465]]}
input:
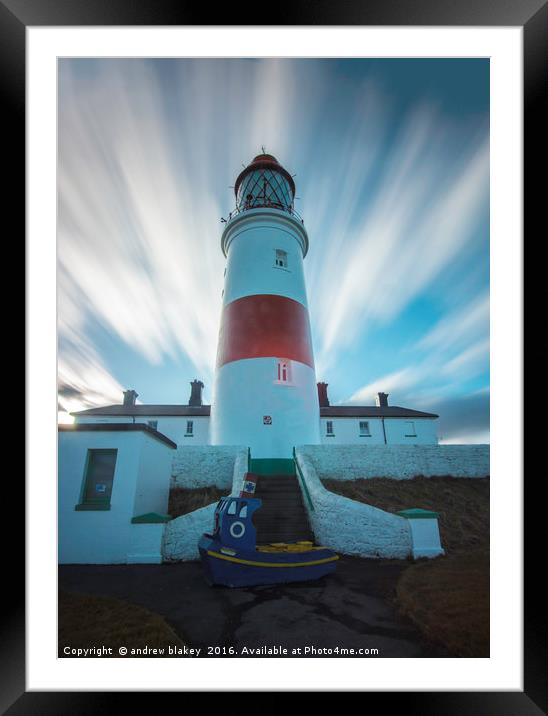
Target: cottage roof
{"points": [[117, 427], [332, 411], [372, 411], [148, 410]]}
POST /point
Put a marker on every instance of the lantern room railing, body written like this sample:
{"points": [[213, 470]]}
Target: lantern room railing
{"points": [[262, 204]]}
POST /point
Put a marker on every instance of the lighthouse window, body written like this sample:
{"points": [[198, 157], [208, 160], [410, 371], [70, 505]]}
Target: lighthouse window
{"points": [[189, 428], [364, 428], [284, 371], [281, 258], [329, 428]]}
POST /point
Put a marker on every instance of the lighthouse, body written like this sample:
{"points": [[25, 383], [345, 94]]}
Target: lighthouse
{"points": [[265, 394]]}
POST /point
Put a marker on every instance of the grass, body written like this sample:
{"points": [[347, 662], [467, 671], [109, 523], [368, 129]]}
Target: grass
{"points": [[448, 597], [462, 504], [87, 621], [182, 500]]}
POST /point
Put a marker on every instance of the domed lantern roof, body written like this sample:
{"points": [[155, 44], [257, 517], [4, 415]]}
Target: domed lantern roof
{"points": [[264, 183]]}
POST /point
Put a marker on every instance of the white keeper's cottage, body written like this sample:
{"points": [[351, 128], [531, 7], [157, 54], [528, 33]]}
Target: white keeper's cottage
{"points": [[379, 424]]}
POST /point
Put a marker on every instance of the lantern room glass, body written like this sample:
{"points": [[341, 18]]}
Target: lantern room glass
{"points": [[264, 188]]}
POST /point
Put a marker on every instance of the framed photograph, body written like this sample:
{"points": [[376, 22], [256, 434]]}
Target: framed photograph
{"points": [[354, 361]]}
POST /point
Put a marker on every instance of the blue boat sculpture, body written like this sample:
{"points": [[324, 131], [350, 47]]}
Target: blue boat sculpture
{"points": [[230, 556]]}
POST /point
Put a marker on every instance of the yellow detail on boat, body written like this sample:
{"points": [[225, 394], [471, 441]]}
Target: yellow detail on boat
{"points": [[288, 547], [252, 563]]}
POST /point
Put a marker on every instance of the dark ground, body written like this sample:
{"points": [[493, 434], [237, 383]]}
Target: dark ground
{"points": [[352, 608], [446, 598]]}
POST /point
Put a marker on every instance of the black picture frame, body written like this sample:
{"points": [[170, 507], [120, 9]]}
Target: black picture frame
{"points": [[531, 15]]}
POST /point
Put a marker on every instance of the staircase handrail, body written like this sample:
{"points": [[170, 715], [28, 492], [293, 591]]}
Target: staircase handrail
{"points": [[303, 481]]}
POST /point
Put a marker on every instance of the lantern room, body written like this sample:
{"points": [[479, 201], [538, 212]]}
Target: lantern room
{"points": [[264, 183]]}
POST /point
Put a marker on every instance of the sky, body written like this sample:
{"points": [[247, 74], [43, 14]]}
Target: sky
{"points": [[391, 163]]}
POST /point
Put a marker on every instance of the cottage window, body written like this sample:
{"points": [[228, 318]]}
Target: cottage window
{"points": [[98, 477], [189, 428], [364, 428], [329, 428], [410, 431]]}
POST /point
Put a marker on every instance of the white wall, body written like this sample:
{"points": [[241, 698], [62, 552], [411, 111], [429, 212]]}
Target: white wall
{"points": [[251, 240], [348, 526], [346, 431], [397, 430], [145, 543], [183, 533], [350, 462], [247, 390], [251, 267], [172, 426], [200, 429], [141, 482], [155, 463], [205, 466]]}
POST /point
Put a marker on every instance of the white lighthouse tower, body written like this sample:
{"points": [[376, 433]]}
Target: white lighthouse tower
{"points": [[265, 393]]}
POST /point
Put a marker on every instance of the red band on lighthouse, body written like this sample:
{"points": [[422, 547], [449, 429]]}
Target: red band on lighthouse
{"points": [[262, 326]]}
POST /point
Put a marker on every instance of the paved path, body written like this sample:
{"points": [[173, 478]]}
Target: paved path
{"points": [[350, 609]]}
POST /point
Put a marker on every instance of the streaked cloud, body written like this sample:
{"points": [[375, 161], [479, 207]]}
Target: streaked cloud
{"points": [[456, 351], [400, 380], [465, 323], [147, 153], [133, 233], [83, 379], [468, 359], [417, 222]]}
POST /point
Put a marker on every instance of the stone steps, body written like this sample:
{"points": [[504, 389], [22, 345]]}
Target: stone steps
{"points": [[282, 517]]}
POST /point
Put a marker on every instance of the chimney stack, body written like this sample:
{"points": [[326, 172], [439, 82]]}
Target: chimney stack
{"points": [[129, 397], [196, 392], [322, 395], [382, 400]]}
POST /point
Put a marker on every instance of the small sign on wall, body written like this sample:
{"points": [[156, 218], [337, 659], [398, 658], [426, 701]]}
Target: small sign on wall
{"points": [[267, 419]]}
